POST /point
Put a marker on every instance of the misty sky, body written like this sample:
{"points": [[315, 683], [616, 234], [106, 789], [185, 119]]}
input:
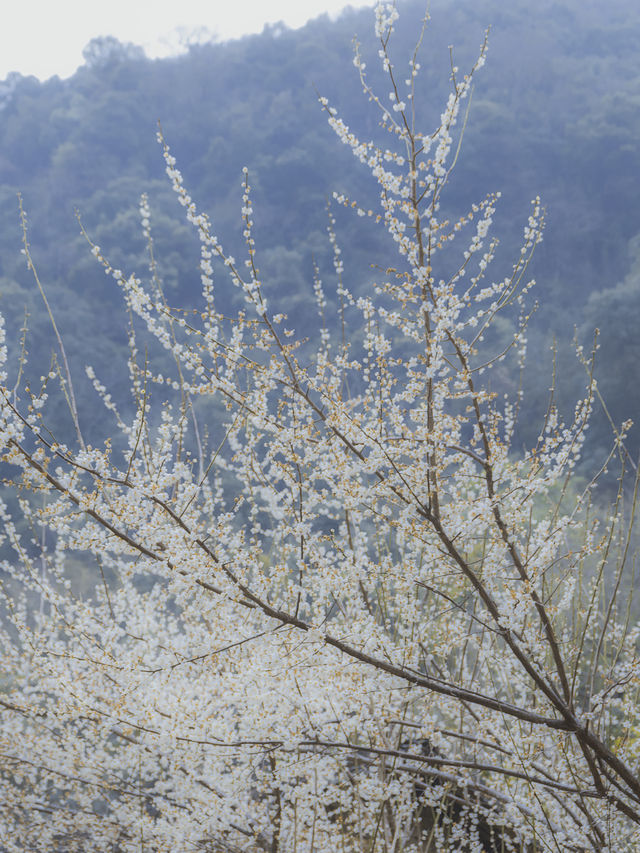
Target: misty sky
{"points": [[46, 37]]}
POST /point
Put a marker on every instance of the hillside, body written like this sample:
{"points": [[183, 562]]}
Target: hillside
{"points": [[556, 112]]}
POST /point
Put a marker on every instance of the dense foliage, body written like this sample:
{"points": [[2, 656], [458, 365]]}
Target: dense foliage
{"points": [[556, 110]]}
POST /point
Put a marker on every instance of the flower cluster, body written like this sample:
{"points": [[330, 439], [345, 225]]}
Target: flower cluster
{"points": [[315, 599]]}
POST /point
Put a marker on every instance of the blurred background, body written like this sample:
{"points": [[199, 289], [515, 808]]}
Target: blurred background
{"points": [[555, 112]]}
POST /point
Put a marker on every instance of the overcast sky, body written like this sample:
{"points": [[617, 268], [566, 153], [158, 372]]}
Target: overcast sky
{"points": [[46, 37]]}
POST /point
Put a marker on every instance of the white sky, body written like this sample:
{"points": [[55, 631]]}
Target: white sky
{"points": [[46, 37]]}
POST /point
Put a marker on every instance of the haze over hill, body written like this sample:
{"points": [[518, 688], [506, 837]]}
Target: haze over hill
{"points": [[556, 111], [53, 47]]}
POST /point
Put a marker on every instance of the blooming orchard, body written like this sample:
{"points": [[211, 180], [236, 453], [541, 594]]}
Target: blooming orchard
{"points": [[312, 599]]}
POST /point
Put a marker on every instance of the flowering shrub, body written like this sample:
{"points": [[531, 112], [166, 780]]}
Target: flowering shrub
{"points": [[354, 618]]}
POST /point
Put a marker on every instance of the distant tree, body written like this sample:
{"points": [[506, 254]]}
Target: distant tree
{"points": [[311, 598], [8, 87], [107, 50]]}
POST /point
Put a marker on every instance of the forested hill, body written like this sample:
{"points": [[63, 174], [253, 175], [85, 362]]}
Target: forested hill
{"points": [[555, 112]]}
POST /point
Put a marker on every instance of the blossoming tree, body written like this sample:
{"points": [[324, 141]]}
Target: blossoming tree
{"points": [[356, 617]]}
